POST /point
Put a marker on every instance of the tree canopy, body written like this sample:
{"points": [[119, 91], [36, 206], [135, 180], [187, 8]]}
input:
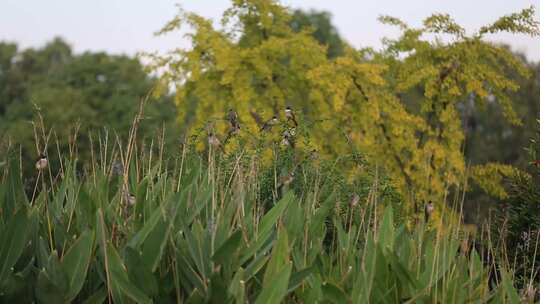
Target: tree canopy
{"points": [[74, 93], [257, 63]]}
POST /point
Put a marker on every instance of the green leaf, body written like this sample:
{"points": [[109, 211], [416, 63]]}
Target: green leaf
{"points": [[333, 293], [120, 281], [508, 288], [278, 271], [227, 250], [298, 277], [13, 238], [139, 273], [117, 277], [275, 293], [52, 283], [266, 227], [271, 218], [76, 261], [97, 297], [237, 287], [387, 230]]}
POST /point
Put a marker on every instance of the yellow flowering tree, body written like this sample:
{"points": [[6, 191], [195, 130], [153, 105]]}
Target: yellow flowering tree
{"points": [[257, 65]]}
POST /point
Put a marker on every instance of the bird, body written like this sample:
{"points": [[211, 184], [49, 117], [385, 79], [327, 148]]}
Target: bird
{"points": [[286, 142], [234, 129], [42, 162], [214, 141], [117, 168], [232, 117], [129, 198], [288, 138], [355, 200], [286, 180], [270, 123], [428, 210], [289, 114], [314, 155]]}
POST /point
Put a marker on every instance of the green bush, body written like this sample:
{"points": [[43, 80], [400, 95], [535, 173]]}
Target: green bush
{"points": [[517, 220], [201, 230]]}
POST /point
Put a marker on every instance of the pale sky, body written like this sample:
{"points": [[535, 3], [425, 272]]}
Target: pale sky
{"points": [[127, 26]]}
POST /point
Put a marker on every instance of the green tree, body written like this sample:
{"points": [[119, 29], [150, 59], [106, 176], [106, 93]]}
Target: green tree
{"points": [[257, 63], [490, 137], [85, 92], [322, 29]]}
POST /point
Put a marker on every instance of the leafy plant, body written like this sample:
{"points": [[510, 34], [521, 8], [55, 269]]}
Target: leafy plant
{"points": [[257, 65]]}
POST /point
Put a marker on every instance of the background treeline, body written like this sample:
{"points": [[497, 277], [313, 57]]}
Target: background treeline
{"points": [[91, 93]]}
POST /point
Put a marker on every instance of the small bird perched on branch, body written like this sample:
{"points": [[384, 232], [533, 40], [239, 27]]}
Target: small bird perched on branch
{"points": [[428, 210], [284, 183], [117, 168], [234, 129], [42, 162], [232, 117], [270, 123], [355, 200], [289, 114], [214, 141], [288, 138], [131, 199]]}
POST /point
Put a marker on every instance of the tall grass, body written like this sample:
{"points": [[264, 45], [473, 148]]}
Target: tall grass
{"points": [[138, 224]]}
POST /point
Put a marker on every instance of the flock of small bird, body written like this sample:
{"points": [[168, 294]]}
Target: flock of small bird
{"points": [[234, 128]]}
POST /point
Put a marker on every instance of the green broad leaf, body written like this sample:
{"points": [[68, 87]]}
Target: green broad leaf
{"points": [[97, 297], [279, 258], [154, 245], [278, 271], [52, 284], [387, 231], [196, 297], [148, 227], [275, 293], [317, 220], [76, 261], [509, 290], [13, 189], [270, 219], [116, 274], [152, 238], [237, 288], [203, 199], [14, 237], [120, 281], [266, 228], [333, 293], [261, 245], [364, 285], [298, 277], [224, 253], [46, 289], [217, 289], [139, 273], [185, 268], [294, 220], [255, 266]]}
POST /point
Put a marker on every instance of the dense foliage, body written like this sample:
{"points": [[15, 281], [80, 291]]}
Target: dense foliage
{"points": [[257, 65], [517, 219], [200, 229], [73, 95]]}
